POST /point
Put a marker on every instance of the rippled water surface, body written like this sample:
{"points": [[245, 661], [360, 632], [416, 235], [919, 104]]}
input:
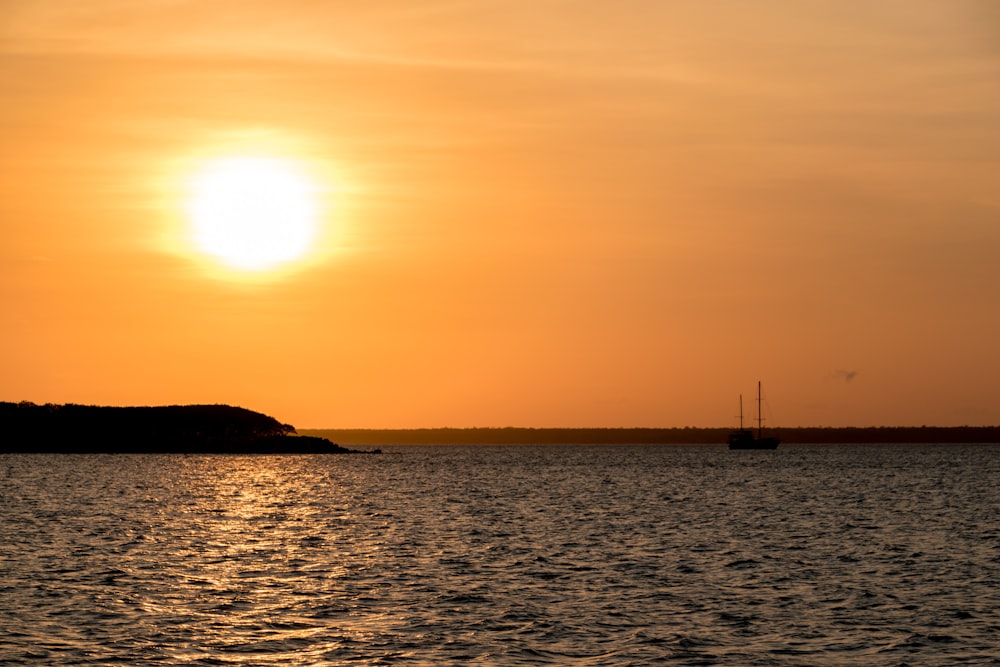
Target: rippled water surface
{"points": [[603, 555]]}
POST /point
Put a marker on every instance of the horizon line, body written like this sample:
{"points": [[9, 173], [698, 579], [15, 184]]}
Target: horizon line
{"points": [[625, 428]]}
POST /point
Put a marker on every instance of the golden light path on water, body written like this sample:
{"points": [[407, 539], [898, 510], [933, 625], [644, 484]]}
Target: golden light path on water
{"points": [[606, 555]]}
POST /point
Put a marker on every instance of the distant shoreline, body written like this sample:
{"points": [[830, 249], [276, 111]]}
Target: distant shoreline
{"points": [[70, 428], [676, 436]]}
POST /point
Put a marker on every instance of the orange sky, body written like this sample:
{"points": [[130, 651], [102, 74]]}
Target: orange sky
{"points": [[544, 213]]}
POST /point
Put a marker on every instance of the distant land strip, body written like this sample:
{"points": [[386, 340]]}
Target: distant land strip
{"points": [[673, 436]]}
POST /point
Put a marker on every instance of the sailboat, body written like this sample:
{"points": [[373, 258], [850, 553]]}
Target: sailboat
{"points": [[744, 438]]}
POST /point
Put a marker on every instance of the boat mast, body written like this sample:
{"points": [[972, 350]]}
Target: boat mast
{"points": [[741, 412], [760, 422]]}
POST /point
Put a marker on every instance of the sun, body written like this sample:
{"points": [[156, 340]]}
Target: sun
{"points": [[253, 213]]}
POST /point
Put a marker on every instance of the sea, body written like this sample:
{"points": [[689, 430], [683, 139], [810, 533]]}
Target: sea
{"points": [[505, 555]]}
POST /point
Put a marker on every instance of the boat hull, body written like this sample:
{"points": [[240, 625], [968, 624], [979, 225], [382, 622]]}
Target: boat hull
{"points": [[745, 440]]}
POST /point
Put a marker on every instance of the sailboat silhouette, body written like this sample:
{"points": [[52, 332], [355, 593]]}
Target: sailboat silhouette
{"points": [[744, 438]]}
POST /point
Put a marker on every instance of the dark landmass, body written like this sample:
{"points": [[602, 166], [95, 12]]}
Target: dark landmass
{"points": [[674, 436], [223, 429], [188, 429]]}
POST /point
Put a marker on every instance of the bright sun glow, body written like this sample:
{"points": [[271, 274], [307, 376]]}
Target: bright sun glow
{"points": [[253, 213]]}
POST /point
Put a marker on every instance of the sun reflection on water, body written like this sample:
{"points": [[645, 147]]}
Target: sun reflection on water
{"points": [[501, 555]]}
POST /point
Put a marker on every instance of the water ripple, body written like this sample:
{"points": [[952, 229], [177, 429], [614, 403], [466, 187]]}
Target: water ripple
{"points": [[504, 556]]}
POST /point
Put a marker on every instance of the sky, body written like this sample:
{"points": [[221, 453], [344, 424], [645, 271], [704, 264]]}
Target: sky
{"points": [[548, 214]]}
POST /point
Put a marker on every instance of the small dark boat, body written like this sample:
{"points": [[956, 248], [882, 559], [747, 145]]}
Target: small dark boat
{"points": [[744, 438]]}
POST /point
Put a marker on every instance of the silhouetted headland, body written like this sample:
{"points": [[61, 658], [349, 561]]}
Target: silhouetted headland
{"points": [[189, 429]]}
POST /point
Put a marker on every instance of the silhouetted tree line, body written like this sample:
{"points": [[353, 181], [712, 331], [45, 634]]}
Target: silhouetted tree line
{"points": [[27, 427], [890, 435], [676, 436]]}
